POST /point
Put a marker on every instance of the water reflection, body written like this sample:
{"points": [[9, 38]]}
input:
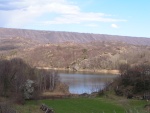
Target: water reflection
{"points": [[85, 83]]}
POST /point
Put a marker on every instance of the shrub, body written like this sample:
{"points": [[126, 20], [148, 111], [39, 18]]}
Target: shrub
{"points": [[133, 80]]}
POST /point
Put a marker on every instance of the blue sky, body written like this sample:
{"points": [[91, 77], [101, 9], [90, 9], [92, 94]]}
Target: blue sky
{"points": [[116, 17]]}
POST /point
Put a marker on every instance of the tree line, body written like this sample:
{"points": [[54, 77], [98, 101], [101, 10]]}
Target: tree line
{"points": [[16, 77]]}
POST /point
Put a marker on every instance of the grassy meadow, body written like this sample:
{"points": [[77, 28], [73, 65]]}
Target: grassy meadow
{"points": [[86, 105]]}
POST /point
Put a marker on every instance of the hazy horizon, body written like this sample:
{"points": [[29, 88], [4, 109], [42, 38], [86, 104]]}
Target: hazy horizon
{"points": [[74, 32]]}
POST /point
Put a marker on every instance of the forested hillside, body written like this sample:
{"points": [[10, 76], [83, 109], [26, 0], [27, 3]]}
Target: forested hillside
{"points": [[75, 51]]}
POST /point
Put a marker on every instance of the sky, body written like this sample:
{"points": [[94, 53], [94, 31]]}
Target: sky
{"points": [[114, 17]]}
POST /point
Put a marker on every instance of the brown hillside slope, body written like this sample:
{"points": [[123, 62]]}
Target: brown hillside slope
{"points": [[59, 37]]}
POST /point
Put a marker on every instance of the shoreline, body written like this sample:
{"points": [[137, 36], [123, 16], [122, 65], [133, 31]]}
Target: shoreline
{"points": [[94, 71]]}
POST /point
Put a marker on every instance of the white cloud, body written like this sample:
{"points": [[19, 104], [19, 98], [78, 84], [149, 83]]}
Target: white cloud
{"points": [[19, 13], [81, 17], [114, 26]]}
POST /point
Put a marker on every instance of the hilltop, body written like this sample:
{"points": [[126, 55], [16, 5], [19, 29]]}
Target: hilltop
{"points": [[59, 37]]}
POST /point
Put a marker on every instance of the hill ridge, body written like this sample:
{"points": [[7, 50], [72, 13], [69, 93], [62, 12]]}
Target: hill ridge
{"points": [[44, 36]]}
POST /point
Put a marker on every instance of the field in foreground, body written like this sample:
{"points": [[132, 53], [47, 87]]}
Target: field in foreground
{"points": [[86, 105]]}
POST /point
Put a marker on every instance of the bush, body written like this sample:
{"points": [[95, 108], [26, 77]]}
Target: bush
{"points": [[133, 80]]}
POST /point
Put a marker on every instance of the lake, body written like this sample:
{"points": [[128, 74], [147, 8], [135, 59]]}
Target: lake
{"points": [[85, 83]]}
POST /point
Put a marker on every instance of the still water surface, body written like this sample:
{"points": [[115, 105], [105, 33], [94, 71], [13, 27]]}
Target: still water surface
{"points": [[85, 83]]}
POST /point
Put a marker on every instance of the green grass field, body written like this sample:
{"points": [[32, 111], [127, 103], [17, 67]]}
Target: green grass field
{"points": [[86, 105]]}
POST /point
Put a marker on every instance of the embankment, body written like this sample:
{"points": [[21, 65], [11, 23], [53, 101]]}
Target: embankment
{"points": [[102, 71]]}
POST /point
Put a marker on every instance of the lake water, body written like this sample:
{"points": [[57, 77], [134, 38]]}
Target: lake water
{"points": [[85, 83]]}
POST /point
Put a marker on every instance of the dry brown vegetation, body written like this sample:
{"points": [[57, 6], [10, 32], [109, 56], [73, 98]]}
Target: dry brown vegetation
{"points": [[93, 56], [133, 81], [14, 75], [77, 51]]}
